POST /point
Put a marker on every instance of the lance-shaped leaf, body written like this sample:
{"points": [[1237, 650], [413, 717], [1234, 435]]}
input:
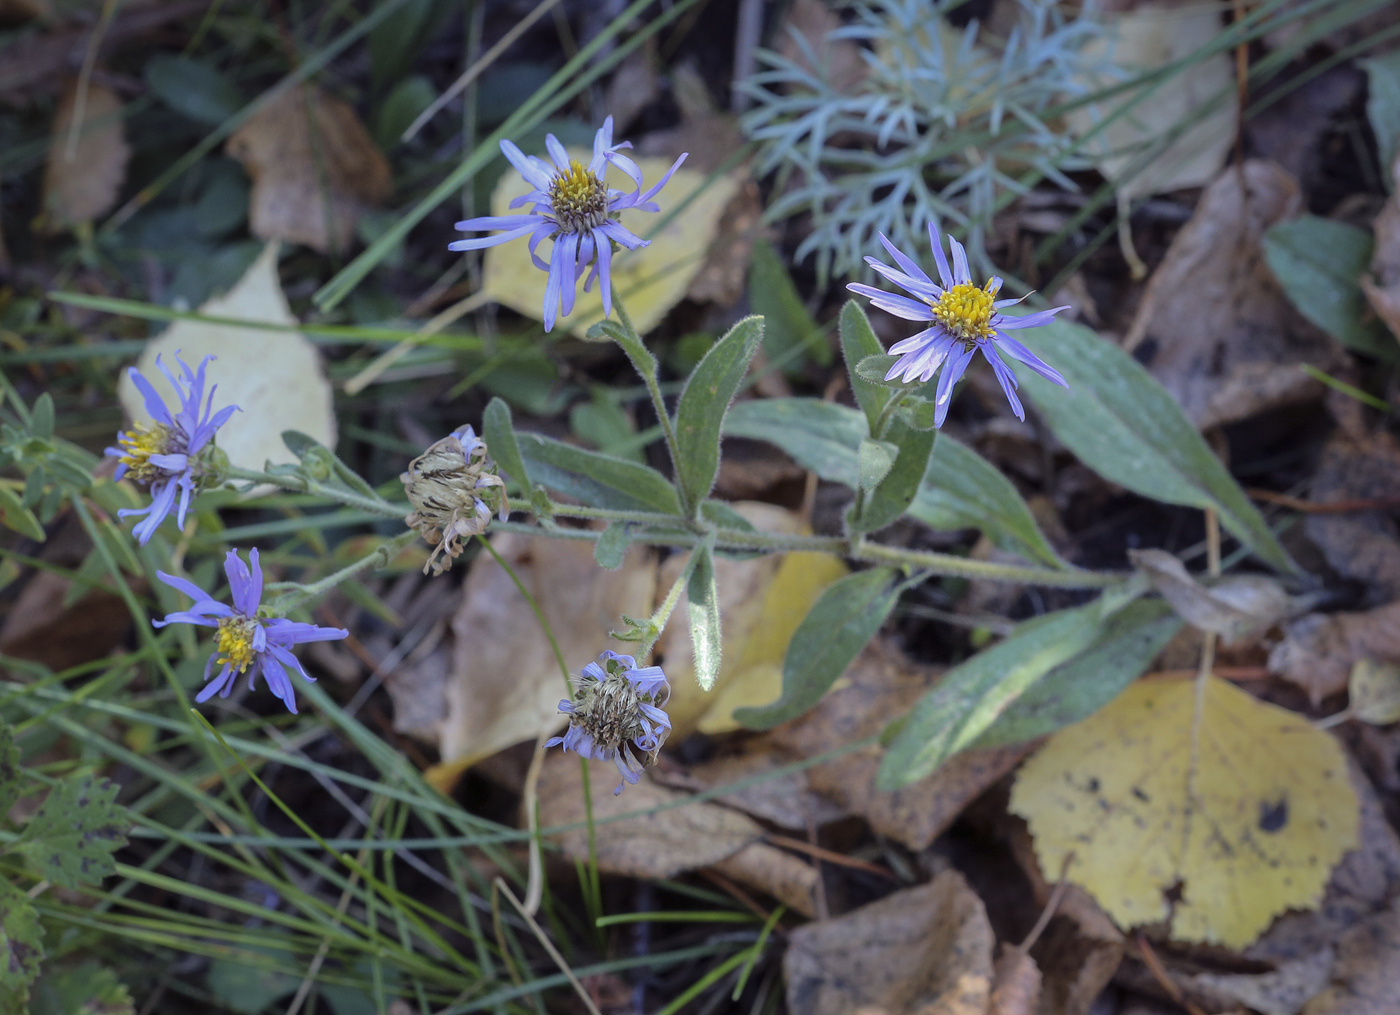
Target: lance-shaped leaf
{"points": [[700, 412], [702, 604], [596, 479], [611, 547], [836, 628], [789, 332], [892, 497], [858, 342], [1124, 425], [498, 430]]}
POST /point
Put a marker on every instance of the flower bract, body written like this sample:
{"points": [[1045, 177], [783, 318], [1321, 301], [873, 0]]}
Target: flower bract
{"points": [[174, 454], [245, 641], [571, 205], [617, 705], [453, 490], [963, 319]]}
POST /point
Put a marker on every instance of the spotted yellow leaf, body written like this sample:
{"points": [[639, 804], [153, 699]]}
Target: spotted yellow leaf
{"points": [[651, 280], [1237, 823]]}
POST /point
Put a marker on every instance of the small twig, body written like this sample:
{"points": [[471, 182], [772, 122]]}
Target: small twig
{"points": [[736, 892], [830, 856], [549, 947], [746, 38], [1234, 674], [534, 887], [1313, 507], [1159, 973], [1048, 913]]}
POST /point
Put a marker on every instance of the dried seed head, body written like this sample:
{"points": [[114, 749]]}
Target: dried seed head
{"points": [[617, 706], [454, 490]]}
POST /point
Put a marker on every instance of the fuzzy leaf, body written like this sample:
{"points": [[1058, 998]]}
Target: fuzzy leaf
{"points": [[14, 515], [858, 343], [874, 460], [611, 546], [702, 604], [72, 838], [703, 404], [499, 433], [597, 479], [900, 486]]}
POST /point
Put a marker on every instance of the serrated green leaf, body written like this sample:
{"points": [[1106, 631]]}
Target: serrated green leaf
{"points": [[1124, 425], [788, 325], [835, 630], [884, 505], [874, 459], [14, 515], [193, 88], [858, 342], [41, 418], [498, 430], [86, 989], [611, 547], [1075, 690], [872, 370], [972, 695], [702, 605], [1383, 108], [596, 479], [703, 404], [1319, 264], [21, 948], [72, 838]]}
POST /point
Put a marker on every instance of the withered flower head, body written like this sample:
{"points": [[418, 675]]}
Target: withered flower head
{"points": [[454, 490]]}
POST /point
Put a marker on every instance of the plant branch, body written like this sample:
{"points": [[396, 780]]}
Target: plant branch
{"points": [[300, 484]]}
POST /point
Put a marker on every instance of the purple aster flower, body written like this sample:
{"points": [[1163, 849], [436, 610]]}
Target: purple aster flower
{"points": [[617, 705], [574, 207], [965, 319], [175, 453], [245, 641]]}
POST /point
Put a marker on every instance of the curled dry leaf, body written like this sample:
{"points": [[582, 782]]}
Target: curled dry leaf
{"points": [[315, 169], [925, 950], [1244, 807], [1382, 285], [1238, 609], [81, 182], [506, 685], [668, 841], [786, 800], [1319, 650], [1248, 358], [1361, 545], [274, 377]]}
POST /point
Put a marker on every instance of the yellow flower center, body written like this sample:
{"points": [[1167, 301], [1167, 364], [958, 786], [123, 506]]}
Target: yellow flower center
{"points": [[966, 310], [140, 443], [234, 642], [579, 199]]}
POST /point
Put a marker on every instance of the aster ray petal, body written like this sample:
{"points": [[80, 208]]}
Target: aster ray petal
{"points": [[551, 289], [893, 303], [622, 162], [915, 341], [953, 370], [940, 260], [155, 405], [186, 586], [566, 251], [1035, 320], [929, 290], [481, 242], [1017, 351], [960, 269], [557, 152], [533, 174], [1006, 378], [162, 501], [223, 683], [615, 230], [495, 222], [907, 263]]}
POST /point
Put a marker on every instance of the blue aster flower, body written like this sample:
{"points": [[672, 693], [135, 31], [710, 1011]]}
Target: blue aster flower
{"points": [[577, 210], [175, 453], [616, 706], [244, 641], [966, 318]]}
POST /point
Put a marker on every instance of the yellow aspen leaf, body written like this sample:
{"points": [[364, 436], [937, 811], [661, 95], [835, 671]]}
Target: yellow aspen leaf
{"points": [[651, 280], [1238, 822], [1375, 692]]}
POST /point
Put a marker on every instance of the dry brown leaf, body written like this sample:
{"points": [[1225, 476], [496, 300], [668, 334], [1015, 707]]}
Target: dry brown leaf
{"points": [[1382, 285], [506, 685], [1319, 650], [1361, 545], [882, 683], [925, 950], [1366, 975], [81, 182], [1250, 357], [39, 627], [1015, 983], [786, 800], [315, 169], [1239, 609], [665, 843]]}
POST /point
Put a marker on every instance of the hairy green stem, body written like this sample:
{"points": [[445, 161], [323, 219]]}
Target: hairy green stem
{"points": [[300, 484], [653, 385], [298, 595]]}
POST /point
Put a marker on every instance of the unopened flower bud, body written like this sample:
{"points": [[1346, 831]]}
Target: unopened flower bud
{"points": [[454, 490]]}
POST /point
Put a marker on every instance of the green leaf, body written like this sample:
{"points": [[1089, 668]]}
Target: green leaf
{"points": [[872, 370], [788, 324], [898, 489], [611, 546], [247, 988], [817, 435], [394, 42], [9, 770], [640, 356], [1383, 108], [1319, 262], [596, 479], [972, 695], [1122, 424], [498, 431], [21, 948], [602, 423], [400, 108], [14, 515], [858, 342], [962, 490], [1076, 689], [87, 989], [702, 604], [72, 838], [41, 419], [193, 89], [321, 463], [835, 630], [703, 404], [918, 413], [874, 459]]}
